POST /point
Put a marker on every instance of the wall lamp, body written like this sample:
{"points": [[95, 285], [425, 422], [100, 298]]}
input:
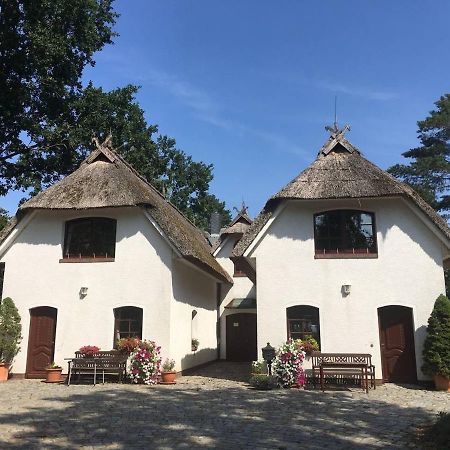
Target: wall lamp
{"points": [[83, 292], [346, 288]]}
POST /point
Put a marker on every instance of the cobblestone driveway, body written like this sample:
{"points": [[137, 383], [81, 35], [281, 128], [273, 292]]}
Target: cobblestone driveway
{"points": [[206, 411]]}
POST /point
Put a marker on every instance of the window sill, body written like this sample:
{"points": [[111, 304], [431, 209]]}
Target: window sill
{"points": [[346, 256], [239, 275], [86, 260]]}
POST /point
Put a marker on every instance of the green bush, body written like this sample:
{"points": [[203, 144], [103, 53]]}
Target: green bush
{"points": [[439, 434], [436, 350], [263, 382], [10, 331]]}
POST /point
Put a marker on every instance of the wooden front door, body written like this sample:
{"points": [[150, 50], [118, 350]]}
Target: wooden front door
{"points": [[398, 357], [241, 337], [41, 341]]}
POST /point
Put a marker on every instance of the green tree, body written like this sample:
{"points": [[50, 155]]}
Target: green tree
{"points": [[4, 218], [429, 171], [436, 350], [10, 330], [48, 119]]}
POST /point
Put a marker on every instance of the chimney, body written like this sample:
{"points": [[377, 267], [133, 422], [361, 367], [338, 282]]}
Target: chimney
{"points": [[215, 224]]}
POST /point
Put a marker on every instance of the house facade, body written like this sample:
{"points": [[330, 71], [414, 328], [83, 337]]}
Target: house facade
{"points": [[349, 255], [102, 255], [344, 253]]}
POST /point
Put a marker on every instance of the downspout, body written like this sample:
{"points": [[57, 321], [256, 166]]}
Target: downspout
{"points": [[218, 302]]}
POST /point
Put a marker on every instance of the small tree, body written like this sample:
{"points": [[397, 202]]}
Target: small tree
{"points": [[436, 351], [10, 331]]}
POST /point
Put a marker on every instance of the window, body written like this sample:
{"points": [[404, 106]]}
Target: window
{"points": [[345, 232], [93, 237], [127, 323], [303, 321], [238, 268]]}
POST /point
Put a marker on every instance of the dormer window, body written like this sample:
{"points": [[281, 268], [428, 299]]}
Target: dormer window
{"points": [[345, 233], [90, 239]]}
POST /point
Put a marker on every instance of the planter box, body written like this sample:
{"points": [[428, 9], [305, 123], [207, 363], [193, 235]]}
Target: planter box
{"points": [[4, 371], [442, 383], [53, 375]]}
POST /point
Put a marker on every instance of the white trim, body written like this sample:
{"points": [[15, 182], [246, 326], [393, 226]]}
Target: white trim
{"points": [[427, 221], [220, 247], [15, 233], [161, 232], [264, 229]]}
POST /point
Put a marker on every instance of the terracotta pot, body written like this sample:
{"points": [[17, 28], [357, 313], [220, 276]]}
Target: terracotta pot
{"points": [[4, 371], [442, 383], [53, 375], [168, 377]]}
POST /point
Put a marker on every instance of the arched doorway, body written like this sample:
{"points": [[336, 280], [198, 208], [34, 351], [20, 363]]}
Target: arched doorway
{"points": [[41, 340], [241, 337], [398, 358]]}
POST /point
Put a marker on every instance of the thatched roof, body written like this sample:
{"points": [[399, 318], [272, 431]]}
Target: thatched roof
{"points": [[239, 224], [105, 180], [340, 172]]}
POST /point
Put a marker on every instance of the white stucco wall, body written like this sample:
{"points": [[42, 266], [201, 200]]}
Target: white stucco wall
{"points": [[140, 276], [243, 287], [407, 272], [192, 290]]}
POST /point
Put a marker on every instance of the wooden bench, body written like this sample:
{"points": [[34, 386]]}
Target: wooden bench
{"points": [[344, 365], [103, 362]]}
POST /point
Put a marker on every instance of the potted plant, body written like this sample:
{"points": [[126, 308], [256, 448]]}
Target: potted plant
{"points": [[10, 335], [167, 373], [88, 351], [287, 365], [128, 345], [436, 349], [144, 363], [309, 345], [263, 381], [194, 345], [53, 373]]}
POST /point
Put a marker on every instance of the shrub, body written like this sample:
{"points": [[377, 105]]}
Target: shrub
{"points": [[145, 363], [287, 365], [436, 350], [168, 366], [263, 382], [10, 331], [439, 434], [257, 367]]}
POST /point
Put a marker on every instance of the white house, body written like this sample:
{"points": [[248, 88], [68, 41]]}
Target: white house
{"points": [[344, 252], [102, 255], [348, 254]]}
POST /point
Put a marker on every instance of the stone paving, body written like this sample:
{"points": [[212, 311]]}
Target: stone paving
{"points": [[207, 410]]}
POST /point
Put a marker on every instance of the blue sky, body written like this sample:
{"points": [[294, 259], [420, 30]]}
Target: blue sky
{"points": [[249, 85]]}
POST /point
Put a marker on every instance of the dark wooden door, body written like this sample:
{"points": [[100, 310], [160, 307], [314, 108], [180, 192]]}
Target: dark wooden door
{"points": [[241, 337], [41, 341], [398, 358]]}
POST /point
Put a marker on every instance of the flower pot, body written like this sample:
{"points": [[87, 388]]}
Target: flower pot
{"points": [[53, 375], [4, 371], [442, 383], [168, 377]]}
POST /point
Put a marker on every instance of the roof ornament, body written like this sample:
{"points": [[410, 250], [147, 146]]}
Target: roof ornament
{"points": [[243, 210], [335, 131], [107, 143]]}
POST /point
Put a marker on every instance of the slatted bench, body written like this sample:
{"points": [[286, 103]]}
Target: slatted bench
{"points": [[102, 362], [344, 365]]}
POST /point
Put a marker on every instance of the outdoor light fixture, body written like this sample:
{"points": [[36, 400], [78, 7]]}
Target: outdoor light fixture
{"points": [[346, 288], [83, 292]]}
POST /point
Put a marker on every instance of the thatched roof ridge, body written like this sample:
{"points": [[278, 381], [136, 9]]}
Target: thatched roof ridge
{"points": [[340, 172], [106, 180]]}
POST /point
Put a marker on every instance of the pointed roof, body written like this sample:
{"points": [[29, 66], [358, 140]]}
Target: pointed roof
{"points": [[105, 180], [239, 224], [340, 172]]}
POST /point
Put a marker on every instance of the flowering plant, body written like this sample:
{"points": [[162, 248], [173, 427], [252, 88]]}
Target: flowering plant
{"points": [[127, 345], [145, 363], [168, 365], [287, 365], [89, 350], [309, 345]]}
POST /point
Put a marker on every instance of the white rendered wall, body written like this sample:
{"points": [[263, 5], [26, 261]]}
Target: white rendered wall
{"points": [[140, 276], [407, 272], [243, 287], [192, 290]]}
